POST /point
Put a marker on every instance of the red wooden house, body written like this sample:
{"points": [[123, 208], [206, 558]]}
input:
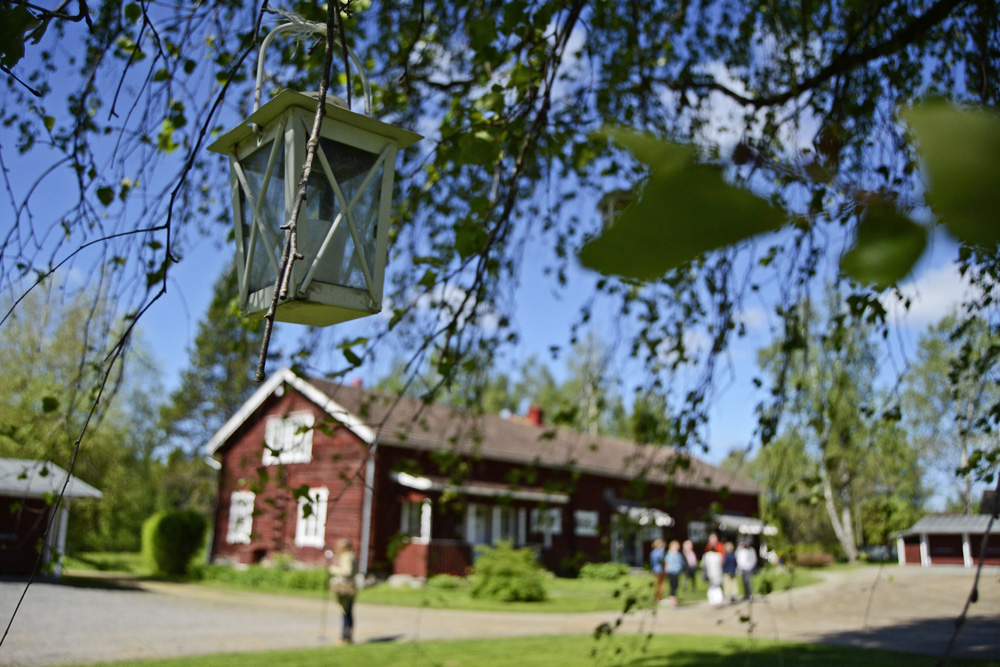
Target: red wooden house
{"points": [[417, 487]]}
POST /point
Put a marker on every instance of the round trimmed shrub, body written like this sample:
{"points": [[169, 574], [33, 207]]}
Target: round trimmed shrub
{"points": [[171, 540], [508, 574]]}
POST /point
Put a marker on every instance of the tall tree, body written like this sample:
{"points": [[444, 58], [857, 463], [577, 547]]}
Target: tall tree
{"points": [[587, 400], [830, 368], [51, 376], [217, 379], [215, 384], [950, 392]]}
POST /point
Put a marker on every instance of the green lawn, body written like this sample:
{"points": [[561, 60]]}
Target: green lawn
{"points": [[565, 595], [637, 651]]}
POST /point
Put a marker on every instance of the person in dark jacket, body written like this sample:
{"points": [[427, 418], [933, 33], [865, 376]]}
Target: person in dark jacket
{"points": [[729, 588]]}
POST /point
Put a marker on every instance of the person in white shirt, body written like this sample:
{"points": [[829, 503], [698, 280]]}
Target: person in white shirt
{"points": [[746, 563]]}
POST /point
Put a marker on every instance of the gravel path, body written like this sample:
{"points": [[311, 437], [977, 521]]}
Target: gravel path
{"points": [[910, 609]]}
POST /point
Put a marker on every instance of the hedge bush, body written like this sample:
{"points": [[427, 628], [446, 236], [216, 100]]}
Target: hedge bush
{"points": [[270, 578], [171, 540], [445, 582], [508, 574], [604, 571]]}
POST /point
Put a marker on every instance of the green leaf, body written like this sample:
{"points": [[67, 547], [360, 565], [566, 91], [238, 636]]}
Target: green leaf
{"points": [[480, 148], [133, 12], [660, 155], [15, 22], [106, 195], [887, 246], [685, 210], [961, 154], [49, 121], [161, 74], [50, 404], [165, 140], [352, 358], [470, 238]]}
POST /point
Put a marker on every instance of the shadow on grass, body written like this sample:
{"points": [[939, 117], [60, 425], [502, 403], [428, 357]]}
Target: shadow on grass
{"points": [[979, 637], [746, 653]]}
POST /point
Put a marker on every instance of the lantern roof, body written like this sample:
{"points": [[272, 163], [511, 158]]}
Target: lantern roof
{"points": [[290, 98]]}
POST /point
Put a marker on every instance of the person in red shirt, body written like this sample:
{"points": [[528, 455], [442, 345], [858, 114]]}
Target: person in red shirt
{"points": [[714, 544]]}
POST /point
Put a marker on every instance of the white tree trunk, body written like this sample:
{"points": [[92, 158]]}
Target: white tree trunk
{"points": [[841, 521]]}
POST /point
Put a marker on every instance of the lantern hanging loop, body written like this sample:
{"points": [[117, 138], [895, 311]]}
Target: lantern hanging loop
{"points": [[303, 28]]}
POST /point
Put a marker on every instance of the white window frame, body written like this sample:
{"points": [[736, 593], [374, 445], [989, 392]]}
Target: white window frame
{"points": [[548, 520], [477, 523], [310, 531], [417, 527], [240, 517], [514, 532], [587, 523], [288, 438], [698, 531]]}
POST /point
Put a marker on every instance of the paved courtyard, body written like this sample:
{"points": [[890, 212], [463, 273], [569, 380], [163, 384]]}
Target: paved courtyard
{"points": [[908, 609]]}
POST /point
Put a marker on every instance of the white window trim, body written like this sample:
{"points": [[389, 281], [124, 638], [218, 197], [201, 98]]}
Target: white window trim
{"points": [[317, 520], [420, 534], [547, 521], [586, 523], [240, 517], [288, 425], [472, 510], [516, 515]]}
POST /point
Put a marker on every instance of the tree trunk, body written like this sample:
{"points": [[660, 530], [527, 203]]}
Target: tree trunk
{"points": [[842, 524]]}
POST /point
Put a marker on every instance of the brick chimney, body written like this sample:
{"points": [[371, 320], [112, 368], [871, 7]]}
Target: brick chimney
{"points": [[357, 383], [536, 415]]}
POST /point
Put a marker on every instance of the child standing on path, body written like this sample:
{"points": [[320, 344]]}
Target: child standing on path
{"points": [[656, 557], [674, 565]]}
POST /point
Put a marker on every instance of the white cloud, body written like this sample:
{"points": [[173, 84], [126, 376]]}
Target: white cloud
{"points": [[935, 294]]}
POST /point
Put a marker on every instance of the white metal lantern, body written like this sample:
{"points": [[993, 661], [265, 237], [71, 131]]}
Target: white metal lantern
{"points": [[343, 224]]}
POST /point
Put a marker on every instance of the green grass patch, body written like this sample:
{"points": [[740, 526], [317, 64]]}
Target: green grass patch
{"points": [[108, 561], [571, 650]]}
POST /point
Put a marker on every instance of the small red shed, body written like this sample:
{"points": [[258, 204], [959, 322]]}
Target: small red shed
{"points": [[33, 518]]}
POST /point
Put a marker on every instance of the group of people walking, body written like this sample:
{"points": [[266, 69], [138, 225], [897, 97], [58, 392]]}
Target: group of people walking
{"points": [[720, 563]]}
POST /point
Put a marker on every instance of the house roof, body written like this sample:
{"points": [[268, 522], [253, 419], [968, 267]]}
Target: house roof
{"points": [[412, 424], [25, 478], [275, 385], [951, 524]]}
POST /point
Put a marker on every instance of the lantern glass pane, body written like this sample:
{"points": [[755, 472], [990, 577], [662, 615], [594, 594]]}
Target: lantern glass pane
{"points": [[269, 240], [340, 264]]}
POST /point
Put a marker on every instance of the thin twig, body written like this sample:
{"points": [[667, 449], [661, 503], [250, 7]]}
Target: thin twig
{"points": [[290, 252]]}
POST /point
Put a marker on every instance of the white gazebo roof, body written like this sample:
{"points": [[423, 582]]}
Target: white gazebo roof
{"points": [[26, 478]]}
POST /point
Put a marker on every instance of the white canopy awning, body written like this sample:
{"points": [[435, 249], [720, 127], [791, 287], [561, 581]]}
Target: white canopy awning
{"points": [[744, 525], [645, 516]]}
